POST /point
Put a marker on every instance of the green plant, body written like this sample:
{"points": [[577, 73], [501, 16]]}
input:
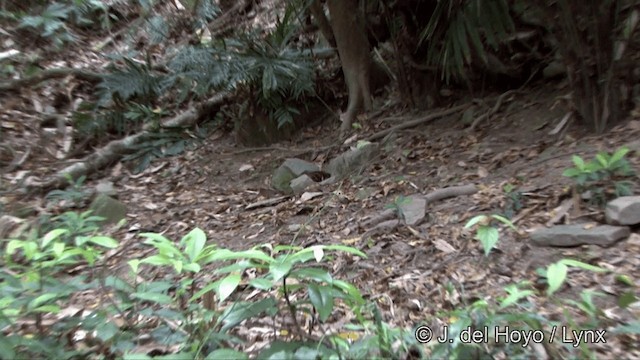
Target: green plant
{"points": [[287, 271], [52, 21], [397, 204], [606, 176], [33, 290], [72, 196], [514, 201], [160, 144], [458, 33], [486, 233]]}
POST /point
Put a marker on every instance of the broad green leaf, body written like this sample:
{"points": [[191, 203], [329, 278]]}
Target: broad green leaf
{"points": [[280, 268], [14, 245], [228, 285], [47, 309], [193, 267], [155, 237], [58, 249], [225, 354], [241, 311], [225, 254], [157, 260], [556, 275], [322, 299], [515, 295], [316, 274], [194, 242], [177, 356], [603, 160], [161, 299], [488, 236], [504, 220], [353, 293], [30, 249], [475, 220], [104, 241], [571, 172], [578, 161], [210, 287], [618, 155], [44, 298], [136, 357], [53, 235], [261, 284], [302, 256], [178, 265], [134, 265], [627, 298], [584, 266]]}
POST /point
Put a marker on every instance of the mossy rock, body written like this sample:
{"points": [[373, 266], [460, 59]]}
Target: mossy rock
{"points": [[109, 208]]}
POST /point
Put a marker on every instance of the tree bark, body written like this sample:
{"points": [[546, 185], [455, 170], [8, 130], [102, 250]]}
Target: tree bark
{"points": [[323, 23], [347, 22]]}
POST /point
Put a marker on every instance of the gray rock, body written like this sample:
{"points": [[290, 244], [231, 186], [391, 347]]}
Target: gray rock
{"points": [[576, 235], [106, 188], [299, 166], [624, 210], [109, 208], [301, 183], [413, 209], [289, 170], [352, 161]]}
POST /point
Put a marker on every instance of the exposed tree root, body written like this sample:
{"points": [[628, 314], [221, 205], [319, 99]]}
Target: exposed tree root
{"points": [[113, 151], [48, 75], [416, 122]]}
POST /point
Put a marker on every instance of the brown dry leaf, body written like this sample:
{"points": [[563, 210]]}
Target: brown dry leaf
{"points": [[444, 246], [246, 167], [309, 195]]}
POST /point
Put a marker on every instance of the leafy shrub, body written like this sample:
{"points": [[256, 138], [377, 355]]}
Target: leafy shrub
{"points": [[605, 177]]}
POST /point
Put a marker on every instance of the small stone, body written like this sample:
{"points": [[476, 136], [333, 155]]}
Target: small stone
{"points": [[413, 209], [301, 183], [106, 188], [109, 208], [624, 210], [576, 235]]}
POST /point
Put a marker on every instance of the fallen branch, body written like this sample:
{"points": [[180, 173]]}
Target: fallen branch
{"points": [[115, 149], [48, 75], [416, 122], [452, 191]]}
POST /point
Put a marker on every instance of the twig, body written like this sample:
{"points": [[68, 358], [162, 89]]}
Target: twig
{"points": [[452, 191]]}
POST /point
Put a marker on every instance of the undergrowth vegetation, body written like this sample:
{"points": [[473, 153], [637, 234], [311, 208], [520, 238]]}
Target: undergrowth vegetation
{"points": [[191, 298]]}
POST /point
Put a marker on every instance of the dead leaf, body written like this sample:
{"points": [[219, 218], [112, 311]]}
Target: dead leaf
{"points": [[351, 241], [444, 246], [309, 195], [246, 167], [482, 172]]}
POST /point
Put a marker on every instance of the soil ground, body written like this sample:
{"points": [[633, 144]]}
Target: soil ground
{"points": [[408, 268]]}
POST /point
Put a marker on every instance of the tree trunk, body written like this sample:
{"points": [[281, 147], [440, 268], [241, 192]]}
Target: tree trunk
{"points": [[323, 23], [347, 23]]}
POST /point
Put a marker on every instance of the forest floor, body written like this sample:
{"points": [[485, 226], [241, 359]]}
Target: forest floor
{"points": [[415, 273], [511, 157]]}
